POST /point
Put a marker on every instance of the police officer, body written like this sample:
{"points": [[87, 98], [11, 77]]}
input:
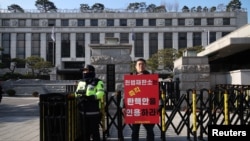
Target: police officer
{"points": [[90, 92]]}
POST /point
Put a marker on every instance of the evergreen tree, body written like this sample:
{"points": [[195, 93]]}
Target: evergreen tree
{"points": [[234, 5], [45, 6], [15, 8]]}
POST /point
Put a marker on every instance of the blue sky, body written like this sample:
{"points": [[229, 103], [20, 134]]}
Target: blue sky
{"points": [[122, 4]]}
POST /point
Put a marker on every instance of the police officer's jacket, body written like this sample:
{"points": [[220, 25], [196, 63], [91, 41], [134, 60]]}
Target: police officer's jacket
{"points": [[89, 93]]}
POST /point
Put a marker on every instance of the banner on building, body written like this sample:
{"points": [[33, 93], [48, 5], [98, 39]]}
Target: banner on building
{"points": [[141, 99]]}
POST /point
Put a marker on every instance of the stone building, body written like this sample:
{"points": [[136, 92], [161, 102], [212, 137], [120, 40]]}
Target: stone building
{"points": [[66, 38]]}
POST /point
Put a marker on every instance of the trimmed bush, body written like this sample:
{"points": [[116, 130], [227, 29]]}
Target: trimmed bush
{"points": [[11, 92], [35, 94]]}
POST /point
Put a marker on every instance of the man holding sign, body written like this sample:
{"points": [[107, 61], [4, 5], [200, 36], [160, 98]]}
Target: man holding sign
{"points": [[141, 100]]}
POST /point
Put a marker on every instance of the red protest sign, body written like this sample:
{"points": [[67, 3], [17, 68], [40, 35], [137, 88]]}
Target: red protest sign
{"points": [[141, 99]]}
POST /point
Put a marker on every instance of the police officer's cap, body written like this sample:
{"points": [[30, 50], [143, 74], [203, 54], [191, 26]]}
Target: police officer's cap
{"points": [[89, 67]]}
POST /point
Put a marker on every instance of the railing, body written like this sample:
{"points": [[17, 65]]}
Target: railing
{"points": [[106, 10]]}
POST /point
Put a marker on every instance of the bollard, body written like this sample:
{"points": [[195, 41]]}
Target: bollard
{"points": [[194, 115], [103, 115], [163, 110], [119, 117], [226, 108]]}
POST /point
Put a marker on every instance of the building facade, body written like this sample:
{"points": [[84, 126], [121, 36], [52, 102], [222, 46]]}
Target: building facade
{"points": [[64, 38]]}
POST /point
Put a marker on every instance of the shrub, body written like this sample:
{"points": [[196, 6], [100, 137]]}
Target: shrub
{"points": [[11, 92], [35, 94]]}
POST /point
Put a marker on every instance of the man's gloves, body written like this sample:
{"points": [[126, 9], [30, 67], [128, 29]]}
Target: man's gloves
{"points": [[82, 92], [161, 105]]}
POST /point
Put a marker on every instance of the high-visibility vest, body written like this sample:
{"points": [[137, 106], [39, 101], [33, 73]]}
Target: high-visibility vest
{"points": [[93, 89]]}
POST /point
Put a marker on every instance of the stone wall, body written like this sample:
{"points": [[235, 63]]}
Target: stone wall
{"points": [[193, 73], [122, 66], [112, 52]]}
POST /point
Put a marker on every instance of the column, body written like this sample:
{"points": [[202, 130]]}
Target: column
{"points": [[57, 48], [175, 40], [87, 48], [160, 41], [43, 50], [189, 39], [13, 45], [73, 46], [28, 44], [102, 38], [146, 45]]}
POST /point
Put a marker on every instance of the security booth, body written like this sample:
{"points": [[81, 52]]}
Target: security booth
{"points": [[58, 117]]}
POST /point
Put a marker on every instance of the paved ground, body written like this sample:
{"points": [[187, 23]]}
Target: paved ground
{"points": [[20, 122]]}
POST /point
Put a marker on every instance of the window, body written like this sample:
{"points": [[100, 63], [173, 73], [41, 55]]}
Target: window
{"points": [[182, 42], [35, 22], [80, 45], [124, 38], [224, 33], [50, 49], [226, 21], [35, 44], [139, 22], [80, 22], [6, 50], [51, 22], [123, 22], [210, 21], [196, 38], [21, 22], [20, 48], [65, 44], [197, 21], [95, 38], [212, 37], [153, 43], [152, 22], [181, 21], [168, 22], [64, 22], [138, 44], [94, 22], [168, 40], [110, 22], [5, 22]]}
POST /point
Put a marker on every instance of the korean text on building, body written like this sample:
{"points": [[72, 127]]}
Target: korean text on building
{"points": [[141, 98]]}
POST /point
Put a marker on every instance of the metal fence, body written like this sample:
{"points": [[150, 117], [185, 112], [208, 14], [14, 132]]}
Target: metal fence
{"points": [[224, 105]]}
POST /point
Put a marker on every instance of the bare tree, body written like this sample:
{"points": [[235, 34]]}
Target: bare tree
{"points": [[176, 6], [169, 7], [221, 7]]}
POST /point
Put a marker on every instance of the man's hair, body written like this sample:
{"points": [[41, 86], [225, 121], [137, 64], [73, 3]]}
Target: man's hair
{"points": [[141, 59]]}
